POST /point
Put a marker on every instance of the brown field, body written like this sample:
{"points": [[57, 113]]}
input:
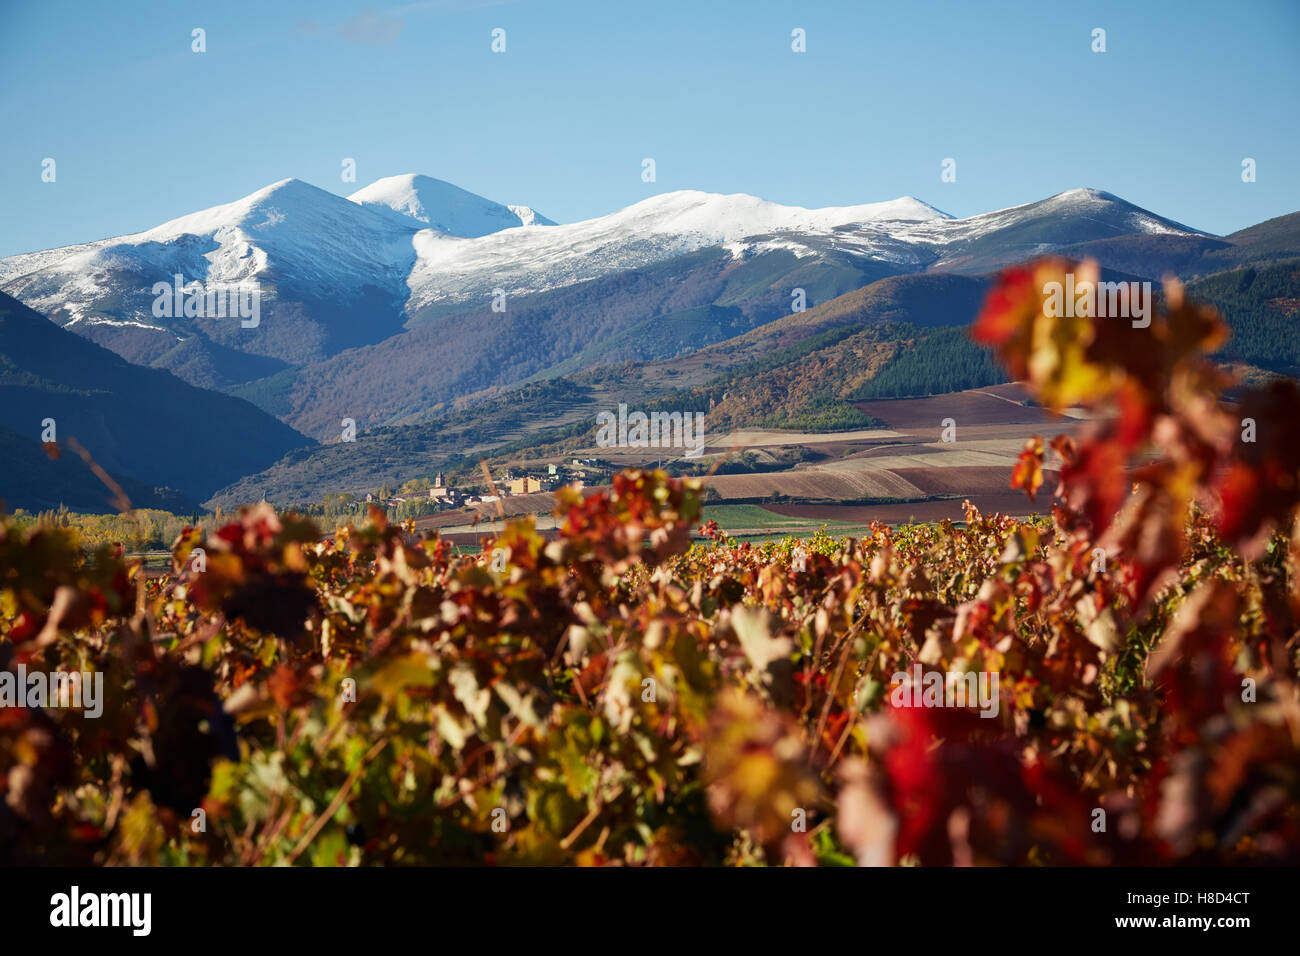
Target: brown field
{"points": [[968, 481], [772, 438], [815, 483], [999, 405]]}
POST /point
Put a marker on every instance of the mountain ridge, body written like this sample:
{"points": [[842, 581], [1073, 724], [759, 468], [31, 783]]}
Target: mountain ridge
{"points": [[141, 423], [371, 314]]}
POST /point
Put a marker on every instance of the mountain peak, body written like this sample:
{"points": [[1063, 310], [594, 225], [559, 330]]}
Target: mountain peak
{"points": [[1089, 210], [284, 186], [934, 211], [1090, 192], [265, 206], [1134, 216], [443, 206]]}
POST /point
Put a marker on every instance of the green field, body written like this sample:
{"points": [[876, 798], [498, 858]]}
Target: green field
{"points": [[733, 518]]}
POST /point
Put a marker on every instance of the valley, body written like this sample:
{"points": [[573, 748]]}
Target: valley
{"points": [[380, 308], [894, 475]]}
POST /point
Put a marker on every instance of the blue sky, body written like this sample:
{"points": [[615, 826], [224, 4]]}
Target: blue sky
{"points": [[143, 130]]}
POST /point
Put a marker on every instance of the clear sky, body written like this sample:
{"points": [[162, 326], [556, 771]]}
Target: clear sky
{"points": [[143, 129]]}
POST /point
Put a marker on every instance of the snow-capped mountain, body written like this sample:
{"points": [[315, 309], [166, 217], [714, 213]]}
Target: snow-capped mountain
{"points": [[651, 231], [1090, 205], [903, 235], [990, 239], [311, 251], [337, 273], [434, 204]]}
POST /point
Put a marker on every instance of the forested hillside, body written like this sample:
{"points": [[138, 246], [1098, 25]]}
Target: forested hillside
{"points": [[141, 423], [939, 361], [1264, 306]]}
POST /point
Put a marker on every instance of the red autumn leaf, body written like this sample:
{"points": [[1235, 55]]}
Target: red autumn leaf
{"points": [[1028, 470]]}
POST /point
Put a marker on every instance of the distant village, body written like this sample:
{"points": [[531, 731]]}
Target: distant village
{"points": [[421, 496]]}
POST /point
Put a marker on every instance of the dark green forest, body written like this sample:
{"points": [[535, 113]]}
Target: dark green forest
{"points": [[945, 360], [1262, 307]]}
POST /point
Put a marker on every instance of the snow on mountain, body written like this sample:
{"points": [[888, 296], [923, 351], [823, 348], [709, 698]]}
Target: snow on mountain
{"points": [[651, 231], [289, 233], [444, 207], [726, 217], [1076, 215], [299, 231], [419, 241], [529, 216]]}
